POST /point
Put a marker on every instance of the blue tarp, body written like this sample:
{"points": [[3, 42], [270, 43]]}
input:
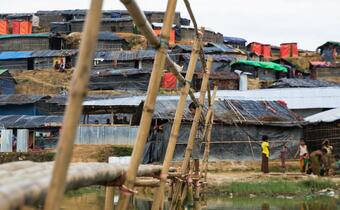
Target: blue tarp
{"points": [[235, 40], [9, 55], [108, 36]]}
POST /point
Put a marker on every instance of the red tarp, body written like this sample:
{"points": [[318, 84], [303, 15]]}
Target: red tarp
{"points": [[21, 27], [172, 35], [3, 27], [169, 81], [266, 51], [289, 50]]}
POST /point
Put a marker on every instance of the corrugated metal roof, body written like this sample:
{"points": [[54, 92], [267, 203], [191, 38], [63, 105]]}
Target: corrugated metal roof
{"points": [[120, 19], [26, 121], [327, 116], [294, 83], [125, 101], [126, 55], [53, 53], [37, 35], [12, 55], [216, 57], [296, 98]]}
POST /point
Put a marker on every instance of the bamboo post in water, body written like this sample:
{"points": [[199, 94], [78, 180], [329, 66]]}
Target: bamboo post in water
{"points": [[193, 131], [73, 111], [149, 104], [158, 199], [109, 195]]}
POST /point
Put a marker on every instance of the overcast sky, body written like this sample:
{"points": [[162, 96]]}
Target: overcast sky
{"points": [[308, 22]]}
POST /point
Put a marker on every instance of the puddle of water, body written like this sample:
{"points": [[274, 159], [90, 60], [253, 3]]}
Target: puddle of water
{"points": [[94, 198]]}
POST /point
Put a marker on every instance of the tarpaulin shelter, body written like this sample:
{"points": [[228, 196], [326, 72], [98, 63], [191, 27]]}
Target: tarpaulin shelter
{"points": [[288, 50], [21, 27], [3, 27], [237, 129], [169, 81], [235, 42], [329, 51], [260, 49], [7, 82]]}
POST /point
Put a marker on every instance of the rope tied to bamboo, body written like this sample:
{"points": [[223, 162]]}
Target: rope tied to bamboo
{"points": [[127, 191]]}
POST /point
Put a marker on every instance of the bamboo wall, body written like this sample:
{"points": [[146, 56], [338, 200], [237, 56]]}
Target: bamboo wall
{"points": [[24, 44]]}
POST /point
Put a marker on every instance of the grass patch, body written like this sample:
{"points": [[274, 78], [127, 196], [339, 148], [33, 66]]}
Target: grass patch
{"points": [[113, 151], [279, 187]]}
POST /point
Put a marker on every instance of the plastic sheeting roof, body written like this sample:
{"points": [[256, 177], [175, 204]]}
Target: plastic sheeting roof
{"points": [[253, 112], [108, 36], [327, 116], [8, 55], [38, 35], [296, 98], [265, 65], [234, 39]]}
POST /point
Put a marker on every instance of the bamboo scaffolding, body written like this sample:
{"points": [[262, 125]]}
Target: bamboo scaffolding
{"points": [[145, 28], [176, 126], [208, 124], [193, 131], [150, 101], [202, 57], [73, 111]]}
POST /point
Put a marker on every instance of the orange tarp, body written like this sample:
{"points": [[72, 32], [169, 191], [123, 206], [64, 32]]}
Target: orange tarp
{"points": [[3, 27], [172, 35], [21, 27], [169, 81]]}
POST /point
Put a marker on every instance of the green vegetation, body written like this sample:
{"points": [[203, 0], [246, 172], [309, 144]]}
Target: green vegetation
{"points": [[116, 151], [85, 190], [279, 187], [6, 157]]}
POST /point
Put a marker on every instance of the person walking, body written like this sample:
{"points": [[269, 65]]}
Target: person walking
{"points": [[316, 161], [265, 154], [283, 154], [328, 155], [303, 153]]}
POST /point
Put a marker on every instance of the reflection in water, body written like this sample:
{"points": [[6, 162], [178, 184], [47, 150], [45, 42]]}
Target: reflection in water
{"points": [[94, 200]]}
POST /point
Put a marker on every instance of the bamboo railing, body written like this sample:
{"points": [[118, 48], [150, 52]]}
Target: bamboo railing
{"points": [[25, 183]]}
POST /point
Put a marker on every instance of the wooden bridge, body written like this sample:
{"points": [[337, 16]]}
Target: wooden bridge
{"points": [[53, 179]]}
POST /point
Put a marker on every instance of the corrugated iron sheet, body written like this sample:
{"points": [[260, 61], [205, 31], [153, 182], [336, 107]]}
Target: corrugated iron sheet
{"points": [[20, 99]]}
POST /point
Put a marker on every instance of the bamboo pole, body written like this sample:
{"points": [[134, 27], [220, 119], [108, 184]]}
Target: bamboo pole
{"points": [[208, 122], [109, 194], [176, 126], [73, 111], [192, 135], [145, 28], [149, 103]]}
